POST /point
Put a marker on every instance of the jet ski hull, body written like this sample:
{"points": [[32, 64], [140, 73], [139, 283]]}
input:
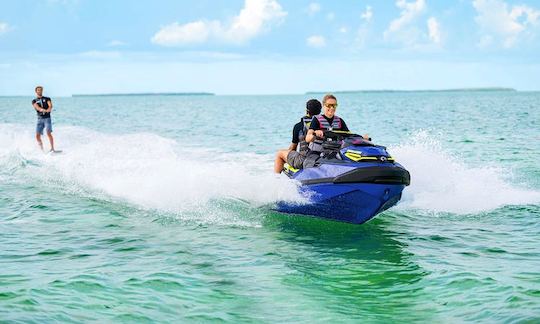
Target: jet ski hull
{"points": [[346, 202], [351, 180]]}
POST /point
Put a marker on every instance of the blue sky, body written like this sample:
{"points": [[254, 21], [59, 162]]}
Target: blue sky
{"points": [[266, 46]]}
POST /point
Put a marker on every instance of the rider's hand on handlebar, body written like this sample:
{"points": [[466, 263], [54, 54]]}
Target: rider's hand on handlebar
{"points": [[319, 133]]}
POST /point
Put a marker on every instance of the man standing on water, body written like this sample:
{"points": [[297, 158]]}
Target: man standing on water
{"points": [[43, 106]]}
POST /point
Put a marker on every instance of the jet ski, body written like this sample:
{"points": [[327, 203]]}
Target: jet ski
{"points": [[351, 180]]}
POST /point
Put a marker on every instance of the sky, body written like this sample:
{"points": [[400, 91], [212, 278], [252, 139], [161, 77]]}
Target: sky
{"points": [[266, 46]]}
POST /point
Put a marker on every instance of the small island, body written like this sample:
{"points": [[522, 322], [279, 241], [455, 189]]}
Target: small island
{"points": [[488, 89], [146, 94]]}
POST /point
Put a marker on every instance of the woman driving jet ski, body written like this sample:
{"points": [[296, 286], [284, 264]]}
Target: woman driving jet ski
{"points": [[320, 123]]}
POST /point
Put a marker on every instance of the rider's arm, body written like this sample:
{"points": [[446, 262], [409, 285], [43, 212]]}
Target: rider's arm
{"points": [[293, 146], [310, 137], [314, 130]]}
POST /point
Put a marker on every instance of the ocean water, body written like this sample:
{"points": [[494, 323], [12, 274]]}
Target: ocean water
{"points": [[159, 210]]}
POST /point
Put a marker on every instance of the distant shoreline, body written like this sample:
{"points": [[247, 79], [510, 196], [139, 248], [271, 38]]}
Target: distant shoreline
{"points": [[179, 94], [498, 89], [146, 94]]}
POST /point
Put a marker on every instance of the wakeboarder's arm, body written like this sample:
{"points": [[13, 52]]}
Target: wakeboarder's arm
{"points": [[50, 106], [38, 108]]}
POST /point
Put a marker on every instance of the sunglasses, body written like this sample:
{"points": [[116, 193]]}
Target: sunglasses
{"points": [[332, 106]]}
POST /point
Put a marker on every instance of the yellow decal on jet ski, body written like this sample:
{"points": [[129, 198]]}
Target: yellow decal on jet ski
{"points": [[290, 168], [355, 152], [357, 156]]}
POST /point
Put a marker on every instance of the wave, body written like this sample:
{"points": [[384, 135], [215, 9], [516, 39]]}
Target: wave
{"points": [[144, 169], [154, 172], [444, 183]]}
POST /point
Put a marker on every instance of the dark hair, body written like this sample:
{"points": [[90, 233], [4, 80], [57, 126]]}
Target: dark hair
{"points": [[328, 96], [38, 87], [313, 107]]}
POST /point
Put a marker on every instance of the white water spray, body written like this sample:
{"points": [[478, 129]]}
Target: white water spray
{"points": [[154, 172], [441, 182]]}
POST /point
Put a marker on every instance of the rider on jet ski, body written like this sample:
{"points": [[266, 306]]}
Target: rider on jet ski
{"points": [[299, 146], [310, 150], [320, 123]]}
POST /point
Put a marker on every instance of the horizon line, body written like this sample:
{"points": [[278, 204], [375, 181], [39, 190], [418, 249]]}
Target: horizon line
{"points": [[205, 93]]}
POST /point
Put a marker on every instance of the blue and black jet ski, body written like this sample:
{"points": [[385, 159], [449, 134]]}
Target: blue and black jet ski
{"points": [[352, 180]]}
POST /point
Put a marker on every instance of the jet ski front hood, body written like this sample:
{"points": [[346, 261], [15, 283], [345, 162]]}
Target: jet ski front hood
{"points": [[364, 172]]}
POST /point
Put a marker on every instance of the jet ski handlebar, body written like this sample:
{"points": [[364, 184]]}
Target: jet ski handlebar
{"points": [[346, 138], [339, 135]]}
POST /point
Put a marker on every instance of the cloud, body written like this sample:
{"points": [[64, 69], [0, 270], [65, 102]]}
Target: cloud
{"points": [[434, 30], [63, 2], [402, 29], [313, 8], [343, 29], [4, 28], [330, 16], [499, 23], [368, 14], [101, 55], [255, 17], [363, 31], [115, 43], [316, 41], [407, 30]]}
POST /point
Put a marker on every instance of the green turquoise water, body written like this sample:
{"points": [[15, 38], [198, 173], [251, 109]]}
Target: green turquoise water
{"points": [[159, 210]]}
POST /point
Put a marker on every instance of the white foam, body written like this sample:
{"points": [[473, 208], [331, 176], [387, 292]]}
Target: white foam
{"points": [[147, 170], [441, 182], [153, 172]]}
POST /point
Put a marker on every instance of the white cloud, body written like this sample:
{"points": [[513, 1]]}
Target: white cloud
{"points": [[434, 30], [255, 17], [343, 29], [363, 32], [402, 29], [63, 2], [115, 43], [4, 28], [408, 30], [190, 33], [362, 36], [499, 23], [313, 8], [330, 16], [101, 55], [316, 41], [368, 14]]}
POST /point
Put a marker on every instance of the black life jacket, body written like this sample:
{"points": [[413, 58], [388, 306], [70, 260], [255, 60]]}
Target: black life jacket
{"points": [[302, 144]]}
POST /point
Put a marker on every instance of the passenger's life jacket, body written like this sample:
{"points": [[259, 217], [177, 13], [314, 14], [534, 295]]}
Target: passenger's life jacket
{"points": [[302, 144], [336, 123], [316, 146]]}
